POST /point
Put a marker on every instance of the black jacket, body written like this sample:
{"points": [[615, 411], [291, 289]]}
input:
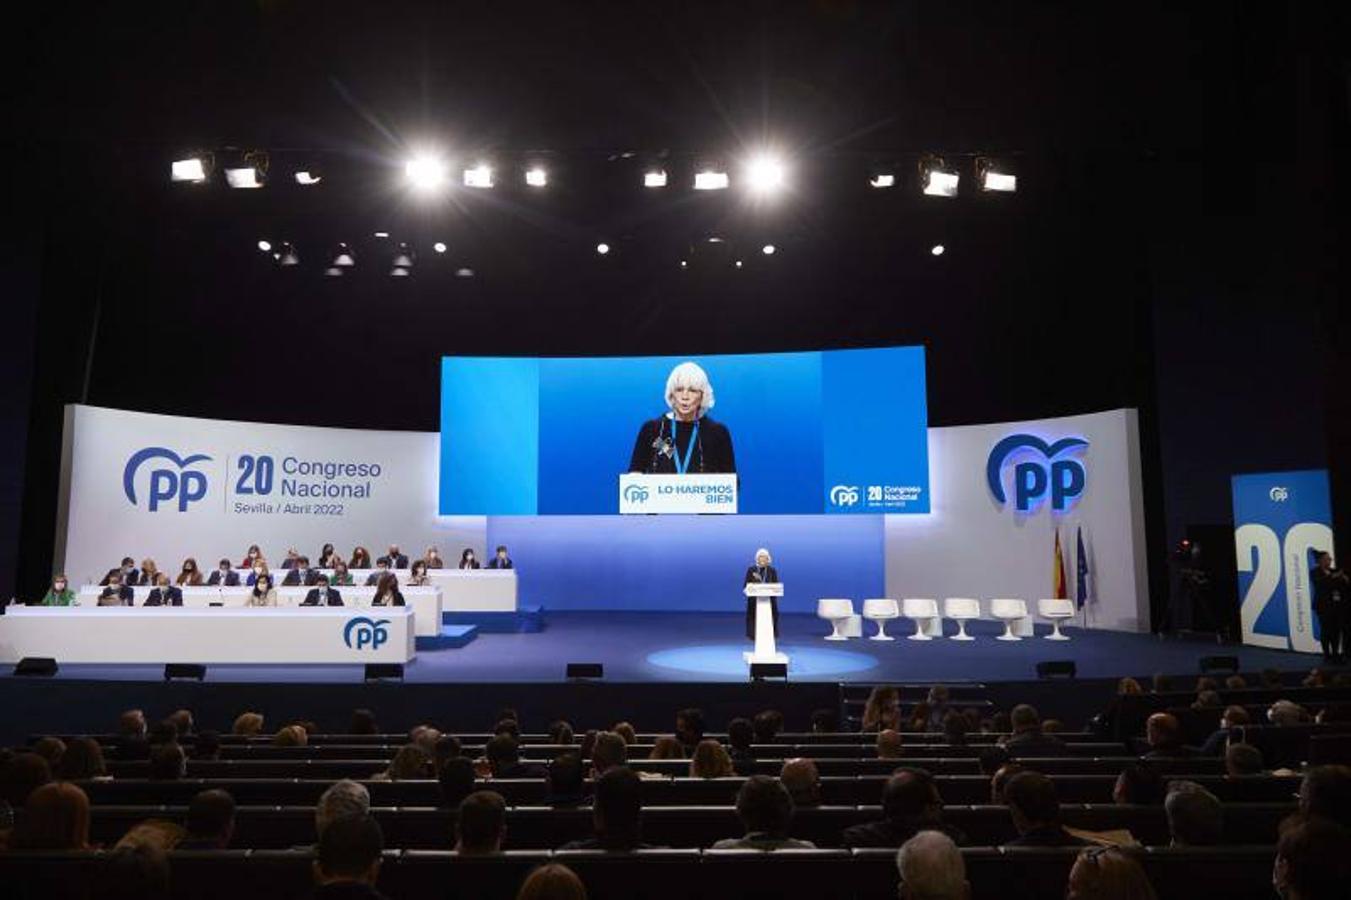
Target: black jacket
{"points": [[170, 596], [398, 599], [1329, 588], [296, 577], [312, 598], [890, 833], [394, 562], [231, 579], [1035, 744], [1054, 836], [712, 452]]}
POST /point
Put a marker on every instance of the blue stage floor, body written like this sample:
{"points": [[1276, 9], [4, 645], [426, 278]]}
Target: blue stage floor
{"points": [[647, 647]]}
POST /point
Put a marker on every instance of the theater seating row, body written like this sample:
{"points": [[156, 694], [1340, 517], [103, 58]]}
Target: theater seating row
{"points": [[1129, 711], [656, 792], [1235, 873], [273, 827]]}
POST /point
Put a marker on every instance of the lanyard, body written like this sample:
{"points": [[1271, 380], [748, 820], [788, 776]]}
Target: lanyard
{"points": [[683, 465]]}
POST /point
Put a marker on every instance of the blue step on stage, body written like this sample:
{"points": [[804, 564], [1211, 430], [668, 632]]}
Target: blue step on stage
{"points": [[451, 637], [524, 620]]}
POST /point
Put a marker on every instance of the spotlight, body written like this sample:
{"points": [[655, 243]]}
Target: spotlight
{"points": [[738, 263], [764, 174], [382, 234], [265, 246], [306, 177], [191, 169], [243, 177], [439, 247], [602, 248], [684, 264], [882, 180], [343, 258], [464, 272], [286, 255], [426, 173], [937, 179], [654, 178], [768, 249], [536, 176], [710, 180], [937, 250], [992, 176], [403, 258], [480, 176], [399, 272], [333, 271]]}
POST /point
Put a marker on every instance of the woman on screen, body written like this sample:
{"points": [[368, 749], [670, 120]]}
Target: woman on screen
{"points": [[467, 560], [251, 557], [387, 591], [149, 573], [361, 559], [761, 573], [685, 439], [327, 557], [59, 594], [263, 594], [259, 571], [340, 574], [417, 577], [191, 575], [433, 558]]}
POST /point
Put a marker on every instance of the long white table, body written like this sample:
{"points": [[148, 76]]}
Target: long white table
{"points": [[113, 634], [425, 601]]}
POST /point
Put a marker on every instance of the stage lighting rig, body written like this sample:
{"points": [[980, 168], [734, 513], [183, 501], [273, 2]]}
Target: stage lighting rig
{"points": [[478, 176], [709, 177], [193, 169], [307, 177], [936, 179], [995, 176], [765, 174], [654, 178], [425, 172], [537, 176], [247, 171]]}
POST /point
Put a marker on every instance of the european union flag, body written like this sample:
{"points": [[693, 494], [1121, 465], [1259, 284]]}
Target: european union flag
{"points": [[1081, 571]]}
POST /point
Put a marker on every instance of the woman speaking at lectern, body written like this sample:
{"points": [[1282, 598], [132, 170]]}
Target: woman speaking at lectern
{"points": [[684, 440], [761, 573]]}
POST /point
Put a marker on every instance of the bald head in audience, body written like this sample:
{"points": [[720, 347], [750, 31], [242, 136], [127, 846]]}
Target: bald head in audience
{"points": [[802, 780]]}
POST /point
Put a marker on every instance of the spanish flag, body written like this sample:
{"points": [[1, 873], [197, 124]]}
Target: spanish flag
{"points": [[1061, 589]]}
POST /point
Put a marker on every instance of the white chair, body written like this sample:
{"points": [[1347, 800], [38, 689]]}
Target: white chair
{"points": [[879, 610], [838, 611], [1008, 610], [923, 610], [1056, 609], [959, 610]]}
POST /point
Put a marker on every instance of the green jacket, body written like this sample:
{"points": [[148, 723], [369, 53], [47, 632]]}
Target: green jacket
{"points": [[65, 598]]}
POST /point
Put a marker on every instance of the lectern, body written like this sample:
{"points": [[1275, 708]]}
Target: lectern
{"points": [[765, 650]]}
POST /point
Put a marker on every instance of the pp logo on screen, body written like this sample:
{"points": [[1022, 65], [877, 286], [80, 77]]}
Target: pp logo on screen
{"points": [[166, 484], [1279, 494], [362, 633], [635, 493], [844, 495], [1046, 474]]}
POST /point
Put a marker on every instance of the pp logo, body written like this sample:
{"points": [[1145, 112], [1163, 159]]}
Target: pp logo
{"points": [[635, 493], [1279, 494], [166, 484], [1063, 479], [362, 633], [844, 495]]}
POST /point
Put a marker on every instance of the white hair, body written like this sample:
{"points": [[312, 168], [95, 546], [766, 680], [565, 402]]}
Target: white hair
{"points": [[765, 552], [931, 867], [345, 799], [690, 375]]}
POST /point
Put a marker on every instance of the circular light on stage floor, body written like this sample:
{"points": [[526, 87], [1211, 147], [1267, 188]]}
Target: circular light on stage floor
{"points": [[726, 659]]}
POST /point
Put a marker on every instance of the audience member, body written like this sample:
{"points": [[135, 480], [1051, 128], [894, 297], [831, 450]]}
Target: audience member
{"points": [[766, 813], [955, 728], [446, 748], [211, 821], [608, 752], [1107, 873], [83, 760], [504, 759], [1035, 809], [768, 724], [455, 780], [168, 762], [349, 858], [207, 746], [50, 749], [931, 868], [1161, 683], [410, 762], [560, 732], [1313, 861], [910, 804], [1195, 815], [1138, 785], [883, 709], [290, 736], [481, 825], [710, 760], [1163, 734], [567, 782], [1232, 717], [1000, 779], [20, 775], [616, 814], [249, 724], [627, 732], [825, 721], [1129, 686], [937, 701], [689, 729], [666, 747], [131, 736], [1286, 712], [918, 722], [1243, 759], [1270, 678], [1235, 682], [991, 759], [137, 871], [343, 800], [362, 722], [802, 781], [1325, 792], [740, 734], [1028, 739], [553, 881], [183, 721], [56, 817], [158, 834], [889, 744]]}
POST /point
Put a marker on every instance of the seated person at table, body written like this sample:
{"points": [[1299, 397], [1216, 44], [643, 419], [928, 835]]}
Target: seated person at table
{"points": [[433, 558], [116, 593], [1028, 739], [164, 594], [361, 559], [149, 574], [190, 575], [417, 576], [381, 570], [910, 804], [387, 592], [263, 593], [301, 574], [394, 558], [481, 825], [322, 595], [328, 557], [340, 574], [127, 573], [259, 570], [59, 594], [467, 560], [251, 557], [224, 576], [766, 812], [292, 558], [1034, 807], [500, 559]]}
